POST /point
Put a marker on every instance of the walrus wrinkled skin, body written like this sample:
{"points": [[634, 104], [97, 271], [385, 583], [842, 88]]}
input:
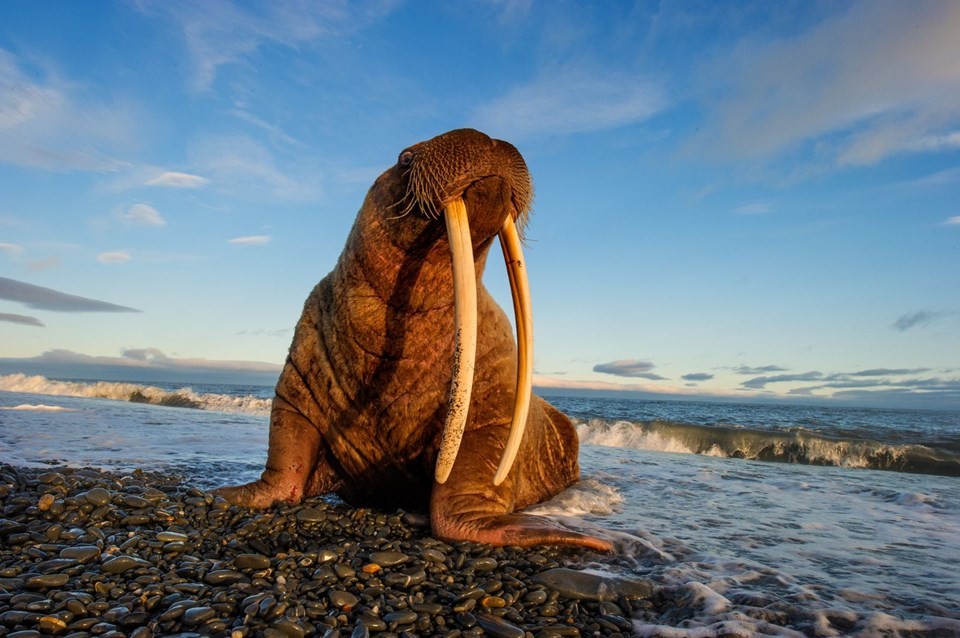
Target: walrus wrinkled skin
{"points": [[361, 401]]}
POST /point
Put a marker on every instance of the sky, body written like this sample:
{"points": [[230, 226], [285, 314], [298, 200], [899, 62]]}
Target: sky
{"points": [[737, 200]]}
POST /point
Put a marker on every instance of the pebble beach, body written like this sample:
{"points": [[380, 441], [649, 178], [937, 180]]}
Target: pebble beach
{"points": [[86, 552]]}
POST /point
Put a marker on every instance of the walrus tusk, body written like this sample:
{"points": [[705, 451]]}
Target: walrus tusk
{"points": [[465, 346], [523, 314]]}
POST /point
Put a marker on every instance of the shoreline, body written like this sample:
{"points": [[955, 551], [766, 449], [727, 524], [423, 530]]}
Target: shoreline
{"points": [[89, 552]]}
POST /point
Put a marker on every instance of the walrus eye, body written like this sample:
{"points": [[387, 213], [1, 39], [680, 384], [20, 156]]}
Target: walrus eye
{"points": [[406, 158]]}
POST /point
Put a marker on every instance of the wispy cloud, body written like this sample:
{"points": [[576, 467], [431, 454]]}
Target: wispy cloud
{"points": [[250, 240], [173, 179], [115, 257], [45, 123], [761, 382], [883, 381], [749, 370], [13, 250], [242, 167], [42, 298], [856, 87], [953, 221], [914, 319], [219, 34], [21, 319], [143, 215], [697, 376], [629, 368], [571, 100]]}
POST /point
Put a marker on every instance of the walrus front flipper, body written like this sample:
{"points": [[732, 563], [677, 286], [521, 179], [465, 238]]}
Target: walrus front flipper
{"points": [[296, 464]]}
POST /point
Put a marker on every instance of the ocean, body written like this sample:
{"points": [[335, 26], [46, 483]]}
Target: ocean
{"points": [[766, 519]]}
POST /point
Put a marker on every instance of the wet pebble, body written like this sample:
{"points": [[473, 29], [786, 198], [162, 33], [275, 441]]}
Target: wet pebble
{"points": [[388, 558], [82, 553], [46, 581], [498, 627], [120, 564], [590, 586], [341, 598], [98, 496], [141, 555], [251, 561]]}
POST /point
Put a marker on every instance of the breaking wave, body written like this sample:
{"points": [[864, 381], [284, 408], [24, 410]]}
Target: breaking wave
{"points": [[795, 446], [183, 397]]}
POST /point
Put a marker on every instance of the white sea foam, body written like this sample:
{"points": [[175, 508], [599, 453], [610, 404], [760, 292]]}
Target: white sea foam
{"points": [[27, 407], [136, 393]]}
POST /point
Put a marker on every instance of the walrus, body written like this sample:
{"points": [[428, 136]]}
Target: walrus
{"points": [[403, 386]]}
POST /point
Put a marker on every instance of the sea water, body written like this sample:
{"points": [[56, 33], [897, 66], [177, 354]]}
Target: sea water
{"points": [[758, 519]]}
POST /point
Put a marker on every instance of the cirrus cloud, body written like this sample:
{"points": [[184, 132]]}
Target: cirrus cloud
{"points": [[250, 240], [115, 257], [173, 179]]}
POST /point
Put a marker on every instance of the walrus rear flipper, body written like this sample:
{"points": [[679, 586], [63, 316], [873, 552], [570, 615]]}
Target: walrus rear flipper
{"points": [[469, 508]]}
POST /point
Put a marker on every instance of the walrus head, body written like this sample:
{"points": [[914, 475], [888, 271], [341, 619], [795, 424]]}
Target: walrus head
{"points": [[437, 173]]}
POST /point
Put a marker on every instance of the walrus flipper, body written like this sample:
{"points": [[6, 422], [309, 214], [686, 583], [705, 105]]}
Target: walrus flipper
{"points": [[296, 466], [468, 508]]}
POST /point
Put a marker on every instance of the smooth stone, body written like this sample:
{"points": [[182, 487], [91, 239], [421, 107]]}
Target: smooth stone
{"points": [[171, 537], [98, 496], [587, 586], [45, 502], [341, 598], [136, 502], [388, 558], [372, 622], [498, 627], [536, 597], [483, 564], [360, 631], [433, 555], [46, 581], [82, 553], [311, 515], [289, 628], [251, 561], [198, 615], [408, 578], [493, 602], [223, 577], [343, 571], [123, 563], [135, 520], [432, 609], [401, 617]]}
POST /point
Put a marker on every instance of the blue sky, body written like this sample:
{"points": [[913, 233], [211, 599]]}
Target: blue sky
{"points": [[732, 199]]}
